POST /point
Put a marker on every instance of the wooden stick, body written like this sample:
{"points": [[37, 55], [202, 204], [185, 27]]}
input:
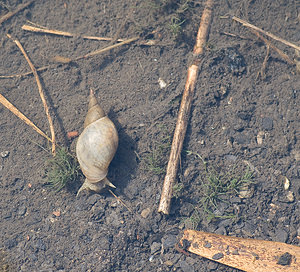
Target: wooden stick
{"points": [[15, 111], [65, 33], [12, 13], [244, 23], [41, 92], [184, 111], [246, 254]]}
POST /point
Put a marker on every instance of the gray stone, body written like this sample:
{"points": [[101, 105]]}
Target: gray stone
{"points": [[185, 266], [169, 241], [281, 235], [267, 123]]}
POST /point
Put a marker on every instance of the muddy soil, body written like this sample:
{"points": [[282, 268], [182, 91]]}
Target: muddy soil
{"points": [[239, 121]]}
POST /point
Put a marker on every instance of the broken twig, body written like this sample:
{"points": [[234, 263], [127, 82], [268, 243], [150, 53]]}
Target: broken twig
{"points": [[244, 23], [41, 92], [19, 114], [246, 254], [184, 110], [65, 33], [12, 13]]}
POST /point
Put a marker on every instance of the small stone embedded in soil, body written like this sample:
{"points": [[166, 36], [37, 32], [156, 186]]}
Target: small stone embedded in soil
{"points": [[286, 183], [267, 123], [281, 235], [185, 266], [246, 192], [218, 256], [145, 213], [186, 209], [169, 240], [168, 263], [285, 259], [290, 196], [4, 154], [212, 266]]}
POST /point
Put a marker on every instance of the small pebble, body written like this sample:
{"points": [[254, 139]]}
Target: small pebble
{"points": [[185, 266], [4, 154], [267, 123], [169, 241], [145, 213], [290, 196], [162, 83], [281, 235], [286, 183], [169, 263], [285, 259]]}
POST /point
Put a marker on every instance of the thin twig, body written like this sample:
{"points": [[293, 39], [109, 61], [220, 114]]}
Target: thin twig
{"points": [[102, 50], [121, 201], [65, 33], [244, 23], [184, 110], [12, 13], [41, 92], [19, 114], [262, 73]]}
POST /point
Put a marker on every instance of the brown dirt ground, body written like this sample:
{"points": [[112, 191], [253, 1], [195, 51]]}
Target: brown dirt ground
{"points": [[230, 108]]}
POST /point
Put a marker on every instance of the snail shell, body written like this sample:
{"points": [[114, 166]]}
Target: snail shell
{"points": [[96, 147]]}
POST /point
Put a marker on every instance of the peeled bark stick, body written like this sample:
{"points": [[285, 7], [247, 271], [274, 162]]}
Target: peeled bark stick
{"points": [[250, 255], [40, 88], [244, 23], [12, 13], [19, 114], [184, 111]]}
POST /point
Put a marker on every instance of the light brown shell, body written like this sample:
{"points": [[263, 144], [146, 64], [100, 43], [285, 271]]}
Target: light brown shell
{"points": [[96, 147]]}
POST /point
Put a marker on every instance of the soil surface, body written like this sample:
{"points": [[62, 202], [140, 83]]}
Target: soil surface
{"points": [[239, 121]]}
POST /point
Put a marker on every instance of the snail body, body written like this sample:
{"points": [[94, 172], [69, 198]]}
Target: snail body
{"points": [[96, 147]]}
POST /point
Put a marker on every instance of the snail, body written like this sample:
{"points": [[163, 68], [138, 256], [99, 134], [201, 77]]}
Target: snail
{"points": [[96, 147]]}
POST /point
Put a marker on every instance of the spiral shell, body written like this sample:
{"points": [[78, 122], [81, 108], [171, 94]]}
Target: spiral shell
{"points": [[96, 147]]}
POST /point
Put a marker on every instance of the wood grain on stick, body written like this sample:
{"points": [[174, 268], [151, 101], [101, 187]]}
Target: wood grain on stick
{"points": [[184, 111], [250, 255]]}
